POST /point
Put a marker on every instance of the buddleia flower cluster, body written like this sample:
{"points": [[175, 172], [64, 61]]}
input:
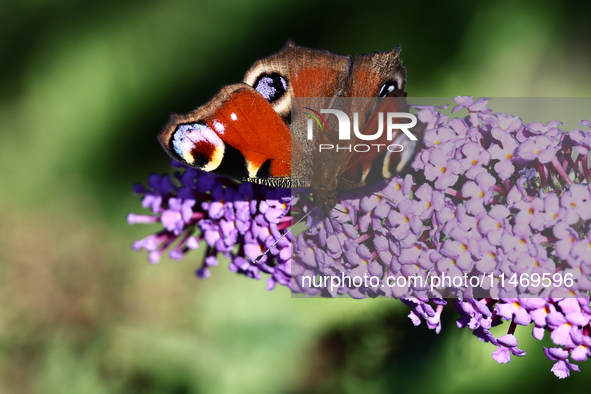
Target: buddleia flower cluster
{"points": [[488, 197], [236, 220]]}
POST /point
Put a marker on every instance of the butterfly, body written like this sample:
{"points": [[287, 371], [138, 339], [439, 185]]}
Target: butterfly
{"points": [[245, 131]]}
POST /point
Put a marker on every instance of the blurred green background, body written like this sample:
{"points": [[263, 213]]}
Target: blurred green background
{"points": [[84, 89]]}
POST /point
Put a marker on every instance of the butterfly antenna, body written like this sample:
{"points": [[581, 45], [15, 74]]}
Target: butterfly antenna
{"points": [[384, 196], [283, 235]]}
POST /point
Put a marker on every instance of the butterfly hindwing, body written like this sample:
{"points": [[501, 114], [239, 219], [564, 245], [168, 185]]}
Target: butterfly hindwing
{"points": [[236, 134], [392, 157], [380, 75]]}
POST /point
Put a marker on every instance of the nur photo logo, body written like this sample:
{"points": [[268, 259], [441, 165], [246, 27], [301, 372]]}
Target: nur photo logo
{"points": [[392, 120]]}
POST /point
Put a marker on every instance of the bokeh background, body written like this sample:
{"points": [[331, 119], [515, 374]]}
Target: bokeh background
{"points": [[85, 86]]}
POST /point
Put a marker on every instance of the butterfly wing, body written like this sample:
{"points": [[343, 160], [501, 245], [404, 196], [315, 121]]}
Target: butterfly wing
{"points": [[376, 73], [236, 134], [380, 75], [306, 72], [243, 131]]}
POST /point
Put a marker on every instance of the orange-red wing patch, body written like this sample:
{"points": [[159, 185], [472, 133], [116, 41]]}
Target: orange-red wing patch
{"points": [[236, 134], [248, 123]]}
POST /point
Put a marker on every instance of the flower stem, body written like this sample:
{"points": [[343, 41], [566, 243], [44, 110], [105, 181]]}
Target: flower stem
{"points": [[453, 193], [542, 171], [561, 171], [499, 189], [512, 327]]}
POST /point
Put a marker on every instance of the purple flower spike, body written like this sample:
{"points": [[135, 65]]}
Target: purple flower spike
{"points": [[230, 214], [502, 206]]}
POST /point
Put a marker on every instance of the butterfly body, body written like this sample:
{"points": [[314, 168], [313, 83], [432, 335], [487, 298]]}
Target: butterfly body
{"points": [[252, 131]]}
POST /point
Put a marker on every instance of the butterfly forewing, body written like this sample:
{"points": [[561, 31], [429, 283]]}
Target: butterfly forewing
{"points": [[306, 73]]}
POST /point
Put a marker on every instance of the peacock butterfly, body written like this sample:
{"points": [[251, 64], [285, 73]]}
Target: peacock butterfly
{"points": [[246, 130]]}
